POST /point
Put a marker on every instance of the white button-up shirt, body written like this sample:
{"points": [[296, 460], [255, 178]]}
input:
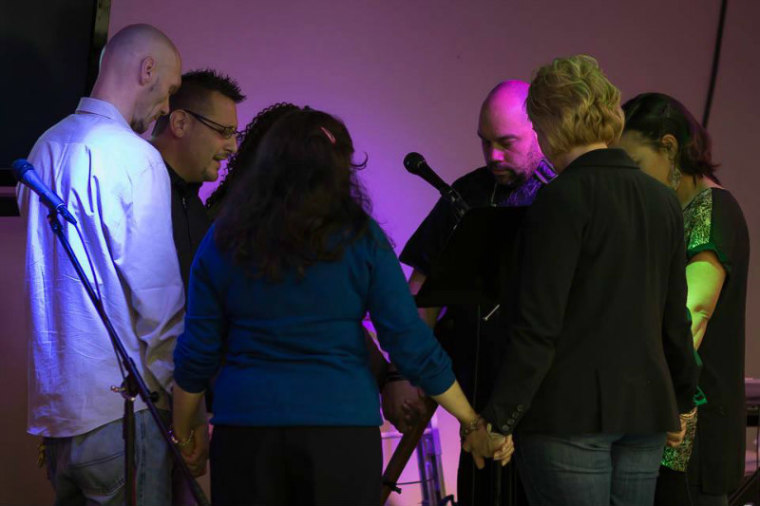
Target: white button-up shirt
{"points": [[116, 186]]}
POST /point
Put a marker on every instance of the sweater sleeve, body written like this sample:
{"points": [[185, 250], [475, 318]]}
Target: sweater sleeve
{"points": [[409, 342], [198, 354]]}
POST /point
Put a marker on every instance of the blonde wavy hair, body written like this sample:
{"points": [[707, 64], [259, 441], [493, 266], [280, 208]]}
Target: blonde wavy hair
{"points": [[572, 103]]}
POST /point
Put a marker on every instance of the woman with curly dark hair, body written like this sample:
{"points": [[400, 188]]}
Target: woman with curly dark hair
{"points": [[250, 138], [665, 140], [282, 281]]}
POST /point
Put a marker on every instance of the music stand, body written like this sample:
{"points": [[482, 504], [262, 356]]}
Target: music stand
{"points": [[480, 259]]}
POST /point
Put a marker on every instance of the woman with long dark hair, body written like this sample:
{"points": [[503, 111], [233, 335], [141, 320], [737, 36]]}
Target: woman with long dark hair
{"points": [[282, 282], [665, 140]]}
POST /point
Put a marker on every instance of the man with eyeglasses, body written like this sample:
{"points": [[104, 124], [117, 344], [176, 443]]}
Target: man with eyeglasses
{"points": [[197, 135]]}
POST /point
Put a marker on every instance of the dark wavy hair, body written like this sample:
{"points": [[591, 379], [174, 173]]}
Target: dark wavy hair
{"points": [[654, 115], [194, 93], [298, 202], [250, 138]]}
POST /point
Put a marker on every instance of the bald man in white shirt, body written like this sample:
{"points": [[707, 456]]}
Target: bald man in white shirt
{"points": [[116, 186]]}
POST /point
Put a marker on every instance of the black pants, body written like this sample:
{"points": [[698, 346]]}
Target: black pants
{"points": [[478, 487], [296, 466], [672, 488]]}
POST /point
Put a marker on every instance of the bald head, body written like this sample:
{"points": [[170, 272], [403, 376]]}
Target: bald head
{"points": [[134, 43], [507, 99], [510, 147], [139, 68]]}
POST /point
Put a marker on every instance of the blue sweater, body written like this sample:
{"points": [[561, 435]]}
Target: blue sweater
{"points": [[295, 349]]}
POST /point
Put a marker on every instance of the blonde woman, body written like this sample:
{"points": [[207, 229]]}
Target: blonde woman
{"points": [[599, 362]]}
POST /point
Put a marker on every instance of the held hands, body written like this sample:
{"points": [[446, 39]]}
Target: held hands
{"points": [[194, 449], [478, 440], [403, 404], [674, 439]]}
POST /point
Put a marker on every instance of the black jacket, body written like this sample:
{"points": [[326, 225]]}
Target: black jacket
{"points": [[189, 221], [600, 341]]}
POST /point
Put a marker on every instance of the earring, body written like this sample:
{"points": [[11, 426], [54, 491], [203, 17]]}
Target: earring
{"points": [[675, 176]]}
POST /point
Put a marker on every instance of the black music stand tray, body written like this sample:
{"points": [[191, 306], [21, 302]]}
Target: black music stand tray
{"points": [[477, 260], [480, 259]]}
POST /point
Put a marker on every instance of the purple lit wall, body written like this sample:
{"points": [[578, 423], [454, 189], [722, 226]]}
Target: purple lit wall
{"points": [[410, 76]]}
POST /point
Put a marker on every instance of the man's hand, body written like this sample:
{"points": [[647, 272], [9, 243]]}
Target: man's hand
{"points": [[403, 404]]}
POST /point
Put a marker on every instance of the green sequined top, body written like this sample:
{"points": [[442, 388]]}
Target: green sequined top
{"points": [[697, 221], [697, 218]]}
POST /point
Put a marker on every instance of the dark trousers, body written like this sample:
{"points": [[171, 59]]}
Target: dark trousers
{"points": [[672, 488], [294, 466], [478, 487]]}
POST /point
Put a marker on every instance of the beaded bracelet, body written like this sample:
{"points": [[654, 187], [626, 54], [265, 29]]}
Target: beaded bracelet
{"points": [[177, 442], [468, 428]]}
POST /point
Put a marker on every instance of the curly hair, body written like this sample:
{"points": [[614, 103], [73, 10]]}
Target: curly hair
{"points": [[298, 202], [654, 115], [250, 138], [572, 103]]}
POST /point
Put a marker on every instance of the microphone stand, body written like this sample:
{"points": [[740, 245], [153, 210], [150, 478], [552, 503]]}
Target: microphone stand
{"points": [[132, 386], [458, 204]]}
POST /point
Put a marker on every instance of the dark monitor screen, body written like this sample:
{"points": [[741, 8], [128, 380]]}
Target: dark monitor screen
{"points": [[49, 53]]}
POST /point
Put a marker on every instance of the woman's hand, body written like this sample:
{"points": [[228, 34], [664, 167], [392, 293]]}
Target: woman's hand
{"points": [[195, 452], [190, 429], [674, 439], [505, 448]]}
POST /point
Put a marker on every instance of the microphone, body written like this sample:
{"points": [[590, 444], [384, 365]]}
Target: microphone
{"points": [[415, 163], [26, 175]]}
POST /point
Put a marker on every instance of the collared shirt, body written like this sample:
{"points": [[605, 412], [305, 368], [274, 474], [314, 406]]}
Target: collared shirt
{"points": [[116, 186]]}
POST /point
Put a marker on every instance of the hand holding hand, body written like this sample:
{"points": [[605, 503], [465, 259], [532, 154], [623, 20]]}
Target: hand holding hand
{"points": [[403, 404], [505, 447], [676, 438], [194, 450], [477, 441]]}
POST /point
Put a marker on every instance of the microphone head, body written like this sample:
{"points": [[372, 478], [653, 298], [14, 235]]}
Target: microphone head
{"points": [[21, 167], [414, 162]]}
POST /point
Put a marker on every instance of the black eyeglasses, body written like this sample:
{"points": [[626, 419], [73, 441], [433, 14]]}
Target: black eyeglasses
{"points": [[225, 131]]}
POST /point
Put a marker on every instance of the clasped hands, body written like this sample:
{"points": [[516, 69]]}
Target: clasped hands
{"points": [[194, 449], [482, 443], [674, 439]]}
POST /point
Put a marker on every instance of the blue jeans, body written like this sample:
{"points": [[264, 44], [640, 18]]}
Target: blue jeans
{"points": [[592, 470], [89, 469]]}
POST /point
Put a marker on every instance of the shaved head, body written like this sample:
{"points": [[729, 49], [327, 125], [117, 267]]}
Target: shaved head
{"points": [[510, 147], [134, 43], [507, 100], [139, 68]]}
